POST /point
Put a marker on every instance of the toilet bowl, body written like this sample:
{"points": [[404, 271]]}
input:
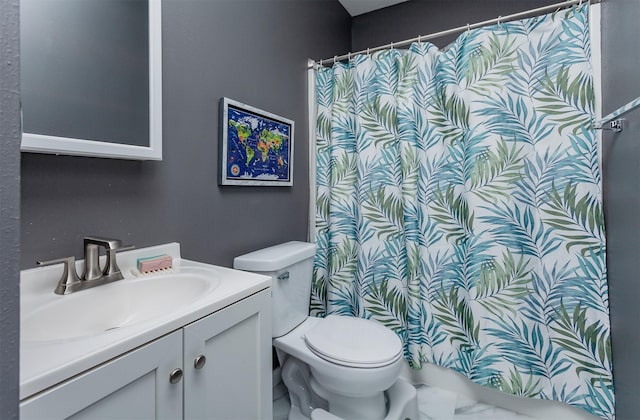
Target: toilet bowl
{"points": [[350, 380], [341, 365]]}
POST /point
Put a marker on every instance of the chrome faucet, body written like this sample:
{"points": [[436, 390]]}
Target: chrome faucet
{"points": [[93, 274], [92, 246]]}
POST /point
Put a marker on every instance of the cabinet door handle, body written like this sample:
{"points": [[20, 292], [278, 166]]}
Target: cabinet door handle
{"points": [[199, 362], [175, 376]]}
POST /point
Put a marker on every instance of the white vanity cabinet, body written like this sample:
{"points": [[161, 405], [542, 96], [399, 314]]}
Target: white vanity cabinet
{"points": [[133, 386], [232, 381], [235, 382]]}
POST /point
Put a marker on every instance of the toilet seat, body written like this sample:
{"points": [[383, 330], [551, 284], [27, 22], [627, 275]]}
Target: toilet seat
{"points": [[354, 342]]}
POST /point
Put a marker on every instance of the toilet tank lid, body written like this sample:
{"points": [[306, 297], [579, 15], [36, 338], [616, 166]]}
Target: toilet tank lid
{"points": [[275, 257]]}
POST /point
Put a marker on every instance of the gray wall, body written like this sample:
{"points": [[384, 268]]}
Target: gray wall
{"points": [[423, 17], [253, 51], [621, 83], [9, 207]]}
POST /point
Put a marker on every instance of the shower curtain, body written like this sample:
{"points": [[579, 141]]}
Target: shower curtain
{"points": [[459, 204]]}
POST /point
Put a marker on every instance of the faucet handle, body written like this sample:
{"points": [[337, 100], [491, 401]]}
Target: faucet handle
{"points": [[69, 279], [125, 248], [111, 268]]}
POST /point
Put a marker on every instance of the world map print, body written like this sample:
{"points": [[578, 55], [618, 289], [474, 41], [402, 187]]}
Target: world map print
{"points": [[258, 147]]}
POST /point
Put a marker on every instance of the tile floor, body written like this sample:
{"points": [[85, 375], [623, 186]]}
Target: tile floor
{"points": [[433, 403]]}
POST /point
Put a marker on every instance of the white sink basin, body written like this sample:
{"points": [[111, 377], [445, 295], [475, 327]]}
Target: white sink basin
{"points": [[63, 336], [113, 306]]}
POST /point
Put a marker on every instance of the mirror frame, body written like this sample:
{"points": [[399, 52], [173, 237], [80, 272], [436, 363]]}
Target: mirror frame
{"points": [[40, 143]]}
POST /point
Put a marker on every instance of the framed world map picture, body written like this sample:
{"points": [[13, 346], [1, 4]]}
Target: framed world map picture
{"points": [[256, 147]]}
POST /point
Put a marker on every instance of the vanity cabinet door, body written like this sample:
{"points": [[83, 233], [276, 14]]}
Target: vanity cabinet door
{"points": [[133, 386], [235, 381]]}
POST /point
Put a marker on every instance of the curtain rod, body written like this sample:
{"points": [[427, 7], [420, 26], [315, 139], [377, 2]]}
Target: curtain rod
{"points": [[499, 19], [615, 123]]}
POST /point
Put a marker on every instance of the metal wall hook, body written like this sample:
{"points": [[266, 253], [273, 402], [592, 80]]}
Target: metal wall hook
{"points": [[616, 126]]}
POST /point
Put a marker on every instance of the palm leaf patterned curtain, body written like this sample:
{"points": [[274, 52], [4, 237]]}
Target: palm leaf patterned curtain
{"points": [[459, 204]]}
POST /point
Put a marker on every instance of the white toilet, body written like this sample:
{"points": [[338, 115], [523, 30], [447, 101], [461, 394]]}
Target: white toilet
{"points": [[333, 367]]}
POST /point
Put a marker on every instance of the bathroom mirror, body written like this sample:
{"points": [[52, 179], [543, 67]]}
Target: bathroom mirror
{"points": [[91, 77]]}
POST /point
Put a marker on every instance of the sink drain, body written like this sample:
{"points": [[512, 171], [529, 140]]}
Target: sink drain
{"points": [[111, 329]]}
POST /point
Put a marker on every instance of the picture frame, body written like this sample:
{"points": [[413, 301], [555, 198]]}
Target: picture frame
{"points": [[255, 146]]}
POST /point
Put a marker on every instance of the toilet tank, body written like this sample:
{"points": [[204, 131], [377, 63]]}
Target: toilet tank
{"points": [[290, 266]]}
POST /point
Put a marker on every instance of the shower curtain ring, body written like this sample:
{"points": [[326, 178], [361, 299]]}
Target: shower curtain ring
{"points": [[349, 56], [391, 46], [335, 59], [468, 28], [499, 22], [321, 62]]}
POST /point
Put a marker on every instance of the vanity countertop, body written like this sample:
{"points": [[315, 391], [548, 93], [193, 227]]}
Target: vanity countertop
{"points": [[48, 360]]}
